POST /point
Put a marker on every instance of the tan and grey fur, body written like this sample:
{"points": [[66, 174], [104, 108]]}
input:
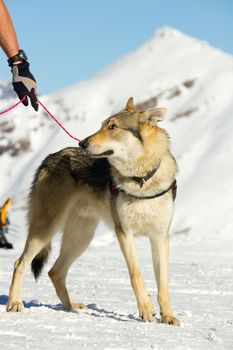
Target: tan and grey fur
{"points": [[72, 191]]}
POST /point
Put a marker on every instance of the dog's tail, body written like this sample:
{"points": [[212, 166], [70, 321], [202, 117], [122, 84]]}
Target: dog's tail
{"points": [[40, 260]]}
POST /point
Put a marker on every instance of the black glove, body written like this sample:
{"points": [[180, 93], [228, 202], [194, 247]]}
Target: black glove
{"points": [[24, 84]]}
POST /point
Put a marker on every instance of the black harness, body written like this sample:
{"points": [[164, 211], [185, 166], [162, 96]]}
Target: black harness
{"points": [[116, 190]]}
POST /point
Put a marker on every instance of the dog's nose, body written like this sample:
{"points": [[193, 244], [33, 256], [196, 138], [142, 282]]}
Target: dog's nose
{"points": [[84, 144]]}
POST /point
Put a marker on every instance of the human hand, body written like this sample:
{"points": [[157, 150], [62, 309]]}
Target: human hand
{"points": [[24, 84]]}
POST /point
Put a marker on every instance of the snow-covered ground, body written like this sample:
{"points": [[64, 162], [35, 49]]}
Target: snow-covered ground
{"points": [[195, 82], [200, 287]]}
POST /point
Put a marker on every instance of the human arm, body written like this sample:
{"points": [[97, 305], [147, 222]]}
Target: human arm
{"points": [[8, 38], [23, 81]]}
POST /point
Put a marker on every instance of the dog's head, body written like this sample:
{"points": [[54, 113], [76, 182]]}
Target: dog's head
{"points": [[125, 135]]}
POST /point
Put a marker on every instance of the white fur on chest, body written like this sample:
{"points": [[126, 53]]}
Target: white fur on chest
{"points": [[145, 217]]}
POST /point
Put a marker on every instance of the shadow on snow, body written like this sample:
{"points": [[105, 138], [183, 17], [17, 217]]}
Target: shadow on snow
{"points": [[95, 311]]}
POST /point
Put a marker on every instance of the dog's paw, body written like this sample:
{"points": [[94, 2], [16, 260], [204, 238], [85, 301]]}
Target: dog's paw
{"points": [[77, 306], [14, 306], [170, 320], [147, 313]]}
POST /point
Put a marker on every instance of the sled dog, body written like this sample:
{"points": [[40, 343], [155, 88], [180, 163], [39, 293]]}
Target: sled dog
{"points": [[124, 174]]}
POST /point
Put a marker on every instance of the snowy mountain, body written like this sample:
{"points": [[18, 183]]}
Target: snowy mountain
{"points": [[193, 80]]}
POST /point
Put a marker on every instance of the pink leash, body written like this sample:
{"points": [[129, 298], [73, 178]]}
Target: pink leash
{"points": [[49, 113], [56, 121], [12, 107]]}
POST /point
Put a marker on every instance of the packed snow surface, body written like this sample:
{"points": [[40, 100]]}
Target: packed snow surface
{"points": [[194, 82]]}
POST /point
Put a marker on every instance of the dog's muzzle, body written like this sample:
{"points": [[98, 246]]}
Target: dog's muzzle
{"points": [[84, 144]]}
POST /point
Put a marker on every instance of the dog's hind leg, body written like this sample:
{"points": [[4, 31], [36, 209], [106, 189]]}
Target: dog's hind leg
{"points": [[78, 233], [42, 227], [160, 247], [47, 211], [33, 246]]}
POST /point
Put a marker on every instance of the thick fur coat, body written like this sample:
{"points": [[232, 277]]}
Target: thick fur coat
{"points": [[106, 178]]}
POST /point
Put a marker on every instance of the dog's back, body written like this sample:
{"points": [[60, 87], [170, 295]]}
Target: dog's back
{"points": [[78, 167]]}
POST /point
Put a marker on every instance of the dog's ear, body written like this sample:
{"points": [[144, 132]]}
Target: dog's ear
{"points": [[130, 105], [153, 116]]}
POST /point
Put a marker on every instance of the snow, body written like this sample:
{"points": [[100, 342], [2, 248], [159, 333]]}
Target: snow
{"points": [[200, 124], [200, 288]]}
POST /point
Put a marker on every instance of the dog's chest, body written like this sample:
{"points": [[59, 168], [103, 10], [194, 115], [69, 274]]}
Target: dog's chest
{"points": [[144, 217]]}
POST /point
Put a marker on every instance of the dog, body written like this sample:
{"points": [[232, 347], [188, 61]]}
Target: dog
{"points": [[124, 174]]}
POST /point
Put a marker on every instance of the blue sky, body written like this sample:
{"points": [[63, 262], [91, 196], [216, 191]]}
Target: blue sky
{"points": [[69, 41]]}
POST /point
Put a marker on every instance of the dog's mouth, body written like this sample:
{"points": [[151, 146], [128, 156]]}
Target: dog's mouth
{"points": [[102, 155]]}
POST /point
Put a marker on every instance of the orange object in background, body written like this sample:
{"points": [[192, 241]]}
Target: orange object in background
{"points": [[4, 211]]}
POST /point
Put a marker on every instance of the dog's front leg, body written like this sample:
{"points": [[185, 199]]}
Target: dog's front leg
{"points": [[160, 247], [145, 306]]}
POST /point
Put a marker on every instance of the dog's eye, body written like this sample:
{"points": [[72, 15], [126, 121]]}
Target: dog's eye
{"points": [[112, 126]]}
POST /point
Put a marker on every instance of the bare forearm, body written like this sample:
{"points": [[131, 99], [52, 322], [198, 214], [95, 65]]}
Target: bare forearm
{"points": [[8, 39]]}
